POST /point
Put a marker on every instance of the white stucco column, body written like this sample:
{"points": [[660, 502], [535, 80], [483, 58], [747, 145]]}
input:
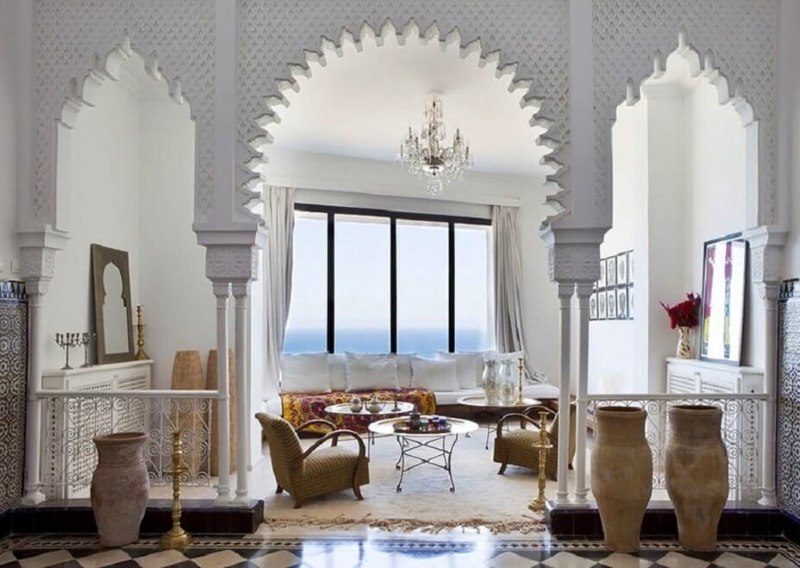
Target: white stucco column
{"points": [[35, 290], [222, 292], [769, 297], [240, 293], [583, 290], [565, 291]]}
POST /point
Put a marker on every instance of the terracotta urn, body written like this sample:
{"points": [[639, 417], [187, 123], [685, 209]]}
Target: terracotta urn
{"points": [[696, 473], [120, 487], [622, 475]]}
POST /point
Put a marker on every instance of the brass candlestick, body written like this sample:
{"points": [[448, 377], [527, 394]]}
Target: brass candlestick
{"points": [[140, 352], [176, 538], [543, 445], [521, 369]]}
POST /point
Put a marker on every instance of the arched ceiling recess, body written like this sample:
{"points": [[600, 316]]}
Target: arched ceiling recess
{"points": [[81, 91], [123, 65], [357, 98], [683, 67]]}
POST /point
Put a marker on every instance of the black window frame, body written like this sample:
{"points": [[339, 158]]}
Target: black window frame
{"points": [[393, 216]]}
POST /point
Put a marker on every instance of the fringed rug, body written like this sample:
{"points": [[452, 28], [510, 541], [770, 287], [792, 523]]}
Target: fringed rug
{"points": [[482, 500]]}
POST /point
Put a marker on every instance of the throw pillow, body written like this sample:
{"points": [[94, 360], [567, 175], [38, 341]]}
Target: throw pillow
{"points": [[469, 365], [370, 372], [305, 373], [434, 374]]}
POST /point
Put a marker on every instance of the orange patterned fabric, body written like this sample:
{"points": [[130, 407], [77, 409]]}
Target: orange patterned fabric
{"points": [[299, 408]]}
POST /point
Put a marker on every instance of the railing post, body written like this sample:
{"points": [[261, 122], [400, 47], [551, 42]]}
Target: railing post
{"points": [[242, 392], [565, 291], [35, 289], [222, 292], [769, 297], [583, 291]]}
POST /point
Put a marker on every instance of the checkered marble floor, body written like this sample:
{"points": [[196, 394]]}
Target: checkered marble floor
{"points": [[375, 551]]}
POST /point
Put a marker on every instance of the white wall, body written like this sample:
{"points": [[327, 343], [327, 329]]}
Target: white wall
{"points": [[104, 209], [618, 348], [10, 111], [387, 186], [176, 298]]}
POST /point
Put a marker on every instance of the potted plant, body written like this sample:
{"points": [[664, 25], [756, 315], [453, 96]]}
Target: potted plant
{"points": [[684, 316]]}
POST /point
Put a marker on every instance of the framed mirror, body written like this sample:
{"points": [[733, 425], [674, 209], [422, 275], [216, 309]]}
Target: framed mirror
{"points": [[722, 306], [111, 288]]}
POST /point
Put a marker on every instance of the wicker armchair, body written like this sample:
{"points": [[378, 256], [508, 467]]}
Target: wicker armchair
{"points": [[516, 446], [318, 470]]}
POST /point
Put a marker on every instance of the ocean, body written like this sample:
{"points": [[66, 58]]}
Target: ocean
{"points": [[420, 341]]}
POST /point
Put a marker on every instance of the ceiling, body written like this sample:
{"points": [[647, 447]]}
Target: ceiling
{"points": [[361, 104]]}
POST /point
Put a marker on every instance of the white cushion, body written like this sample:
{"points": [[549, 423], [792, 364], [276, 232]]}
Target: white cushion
{"points": [[404, 370], [451, 397], [371, 372], [337, 371], [540, 391], [434, 374], [469, 365], [305, 373]]}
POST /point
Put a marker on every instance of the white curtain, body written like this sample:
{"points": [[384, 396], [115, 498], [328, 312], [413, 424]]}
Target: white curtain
{"points": [[279, 202], [509, 316]]}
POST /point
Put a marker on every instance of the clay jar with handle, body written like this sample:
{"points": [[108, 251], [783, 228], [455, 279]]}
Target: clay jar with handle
{"points": [[622, 475], [696, 473], [120, 487]]}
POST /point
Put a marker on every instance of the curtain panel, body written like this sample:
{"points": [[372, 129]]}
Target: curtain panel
{"points": [[279, 202]]}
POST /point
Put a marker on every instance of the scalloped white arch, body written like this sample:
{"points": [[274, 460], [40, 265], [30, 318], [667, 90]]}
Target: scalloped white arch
{"points": [[368, 36], [685, 63], [81, 94]]}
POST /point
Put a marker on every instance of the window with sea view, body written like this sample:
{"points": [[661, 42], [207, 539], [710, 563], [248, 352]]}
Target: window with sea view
{"points": [[375, 282]]}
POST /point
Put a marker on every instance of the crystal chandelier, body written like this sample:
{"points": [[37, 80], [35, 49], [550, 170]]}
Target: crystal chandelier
{"points": [[424, 154]]}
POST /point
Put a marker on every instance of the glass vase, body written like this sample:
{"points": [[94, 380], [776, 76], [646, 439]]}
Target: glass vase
{"points": [[490, 381], [685, 349], [507, 381]]}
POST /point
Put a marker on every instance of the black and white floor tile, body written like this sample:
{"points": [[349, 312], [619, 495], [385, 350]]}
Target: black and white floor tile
{"points": [[379, 551]]}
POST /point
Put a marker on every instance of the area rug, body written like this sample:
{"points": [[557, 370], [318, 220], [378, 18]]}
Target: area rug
{"points": [[482, 499]]}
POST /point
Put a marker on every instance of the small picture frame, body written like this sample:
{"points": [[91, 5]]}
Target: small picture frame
{"points": [[601, 283], [593, 307], [630, 266], [622, 268], [601, 305], [622, 302], [611, 271], [630, 302], [611, 304]]}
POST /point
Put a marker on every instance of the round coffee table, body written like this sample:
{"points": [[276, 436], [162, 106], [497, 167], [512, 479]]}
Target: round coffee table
{"points": [[481, 405], [387, 409], [413, 444]]}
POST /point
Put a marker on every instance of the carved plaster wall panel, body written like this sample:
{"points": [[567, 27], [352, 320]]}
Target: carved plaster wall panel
{"points": [[741, 33], [231, 262], [275, 34], [74, 36]]}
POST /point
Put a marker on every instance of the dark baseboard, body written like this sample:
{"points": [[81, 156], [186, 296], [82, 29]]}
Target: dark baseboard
{"points": [[199, 517], [660, 522], [791, 527], [6, 518]]}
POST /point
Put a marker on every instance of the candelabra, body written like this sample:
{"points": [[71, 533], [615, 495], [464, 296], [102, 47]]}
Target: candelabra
{"points": [[521, 370], [543, 445], [66, 341], [176, 538], [140, 352], [86, 340]]}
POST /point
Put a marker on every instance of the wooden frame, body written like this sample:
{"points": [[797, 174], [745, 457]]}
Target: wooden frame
{"points": [[101, 258]]}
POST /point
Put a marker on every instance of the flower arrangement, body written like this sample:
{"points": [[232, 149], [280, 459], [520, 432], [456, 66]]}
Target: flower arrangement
{"points": [[685, 313]]}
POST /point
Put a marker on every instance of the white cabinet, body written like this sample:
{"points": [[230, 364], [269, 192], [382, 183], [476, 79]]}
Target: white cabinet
{"points": [[68, 453], [693, 376]]}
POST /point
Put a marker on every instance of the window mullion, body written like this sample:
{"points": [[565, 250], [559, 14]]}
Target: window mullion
{"points": [[331, 279], [451, 287], [393, 284]]}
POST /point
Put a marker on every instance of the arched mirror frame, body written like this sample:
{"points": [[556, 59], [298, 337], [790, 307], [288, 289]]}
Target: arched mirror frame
{"points": [[101, 257]]}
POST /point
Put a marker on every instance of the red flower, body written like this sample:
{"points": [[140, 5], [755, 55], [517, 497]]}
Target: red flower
{"points": [[684, 314]]}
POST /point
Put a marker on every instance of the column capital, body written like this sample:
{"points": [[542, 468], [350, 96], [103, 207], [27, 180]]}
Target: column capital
{"points": [[584, 289], [565, 290], [231, 262], [766, 255], [240, 290], [221, 289], [573, 255]]}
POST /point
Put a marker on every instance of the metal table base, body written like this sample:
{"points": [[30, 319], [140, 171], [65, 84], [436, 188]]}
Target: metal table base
{"points": [[411, 448]]}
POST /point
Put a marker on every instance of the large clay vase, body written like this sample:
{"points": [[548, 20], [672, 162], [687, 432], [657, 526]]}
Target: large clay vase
{"points": [[622, 475], [696, 473], [120, 487], [187, 374]]}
